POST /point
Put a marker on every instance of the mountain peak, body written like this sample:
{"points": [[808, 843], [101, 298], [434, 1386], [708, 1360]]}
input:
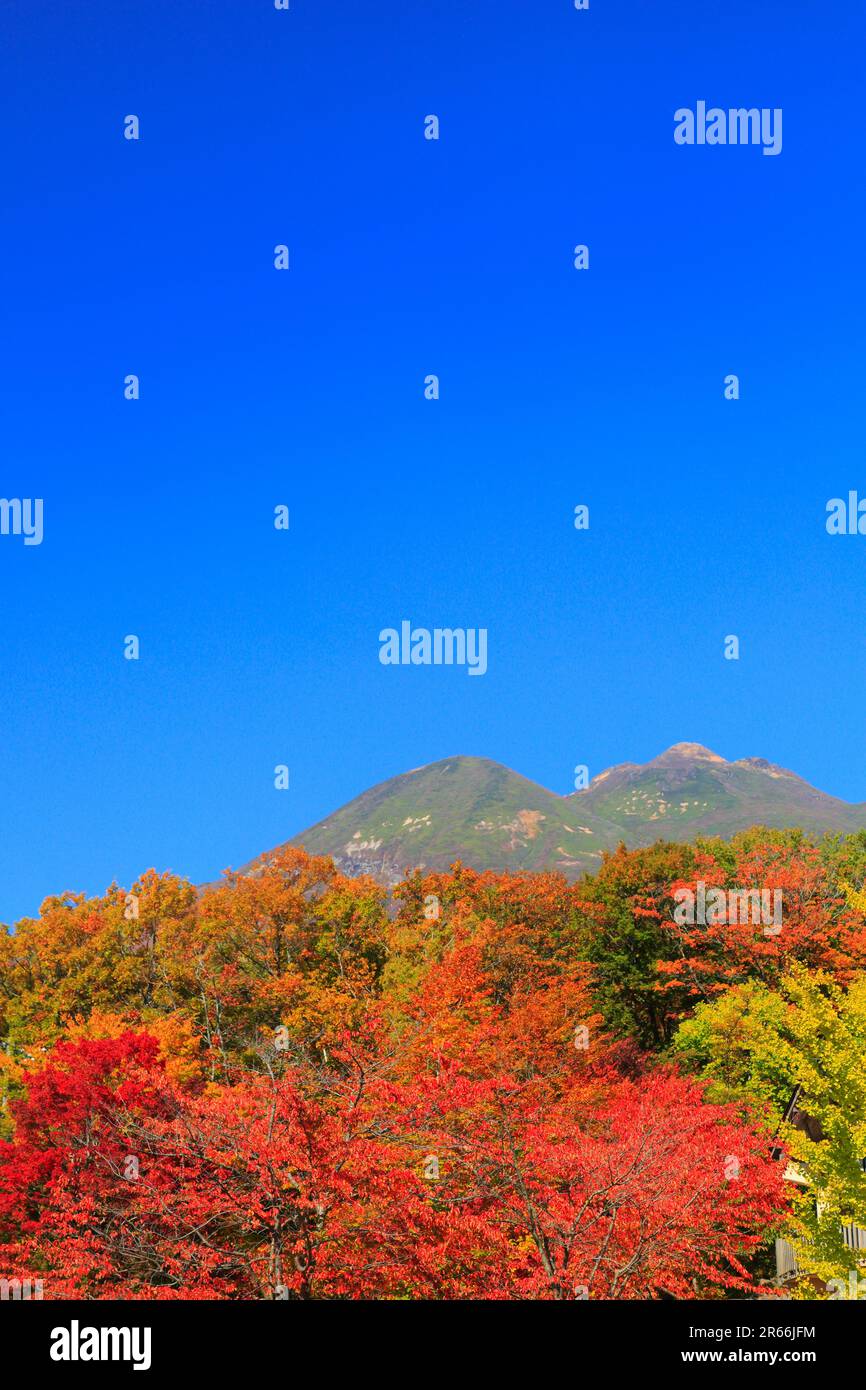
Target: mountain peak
{"points": [[762, 765], [696, 751]]}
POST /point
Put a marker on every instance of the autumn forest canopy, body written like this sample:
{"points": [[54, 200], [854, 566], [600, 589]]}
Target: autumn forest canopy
{"points": [[300, 1085]]}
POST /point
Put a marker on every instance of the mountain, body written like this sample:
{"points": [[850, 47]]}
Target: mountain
{"points": [[489, 817], [688, 791], [461, 808]]}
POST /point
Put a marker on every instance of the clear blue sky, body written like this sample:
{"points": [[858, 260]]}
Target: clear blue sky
{"points": [[412, 257]]}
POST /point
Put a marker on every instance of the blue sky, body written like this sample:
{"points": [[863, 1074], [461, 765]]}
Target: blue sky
{"points": [[558, 387]]}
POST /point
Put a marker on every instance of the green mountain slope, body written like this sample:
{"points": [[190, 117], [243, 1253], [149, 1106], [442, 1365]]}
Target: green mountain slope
{"points": [[489, 817], [688, 791], [461, 808]]}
